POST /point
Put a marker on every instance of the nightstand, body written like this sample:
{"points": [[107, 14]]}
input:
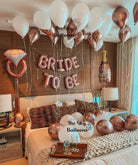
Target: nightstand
{"points": [[120, 112], [13, 148]]}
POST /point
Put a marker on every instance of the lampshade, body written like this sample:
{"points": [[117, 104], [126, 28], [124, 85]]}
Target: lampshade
{"points": [[5, 103], [110, 94]]}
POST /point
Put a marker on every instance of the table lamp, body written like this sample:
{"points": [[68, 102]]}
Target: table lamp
{"points": [[110, 94], [5, 109]]}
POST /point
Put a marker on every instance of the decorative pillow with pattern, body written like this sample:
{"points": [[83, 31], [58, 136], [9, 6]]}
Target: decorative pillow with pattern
{"points": [[84, 107], [66, 110], [43, 116]]}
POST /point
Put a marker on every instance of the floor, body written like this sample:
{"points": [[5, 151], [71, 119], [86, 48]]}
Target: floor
{"points": [[21, 161]]}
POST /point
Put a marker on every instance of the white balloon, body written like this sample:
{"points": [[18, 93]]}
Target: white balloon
{"points": [[68, 43], [42, 20], [96, 18], [86, 129], [59, 13], [77, 116], [99, 45], [68, 133], [64, 120], [21, 25], [80, 15], [106, 27]]}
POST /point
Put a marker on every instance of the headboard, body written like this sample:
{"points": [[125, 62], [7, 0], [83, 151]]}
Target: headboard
{"points": [[36, 101]]}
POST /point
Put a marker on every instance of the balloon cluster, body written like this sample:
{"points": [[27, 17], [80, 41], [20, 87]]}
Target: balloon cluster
{"points": [[70, 126], [116, 123], [56, 24]]}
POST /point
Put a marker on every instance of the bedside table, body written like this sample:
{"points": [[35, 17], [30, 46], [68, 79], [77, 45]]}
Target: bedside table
{"points": [[13, 148], [119, 112]]}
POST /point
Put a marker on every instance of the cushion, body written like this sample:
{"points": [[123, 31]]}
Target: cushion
{"points": [[84, 107], [43, 116], [66, 110]]}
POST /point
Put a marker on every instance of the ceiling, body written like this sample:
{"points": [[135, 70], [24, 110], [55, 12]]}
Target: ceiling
{"points": [[11, 8]]}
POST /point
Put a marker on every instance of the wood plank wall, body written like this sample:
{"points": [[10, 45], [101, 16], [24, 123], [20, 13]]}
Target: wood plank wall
{"points": [[32, 82]]}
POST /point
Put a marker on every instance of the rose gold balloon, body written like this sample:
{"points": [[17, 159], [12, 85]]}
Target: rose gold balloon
{"points": [[104, 127], [124, 33], [118, 123], [99, 112], [53, 130], [34, 35], [89, 117], [120, 16], [71, 29], [131, 122], [132, 115], [52, 34], [79, 37], [96, 36], [135, 12], [18, 119], [91, 41]]}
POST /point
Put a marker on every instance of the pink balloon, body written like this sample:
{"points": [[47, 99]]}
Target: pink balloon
{"points": [[74, 77], [15, 74], [69, 82], [43, 61], [68, 64], [74, 62], [56, 82], [60, 65], [51, 63], [48, 77]]}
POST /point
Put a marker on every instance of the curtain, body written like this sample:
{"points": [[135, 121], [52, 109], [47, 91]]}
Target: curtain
{"points": [[135, 84], [125, 73]]}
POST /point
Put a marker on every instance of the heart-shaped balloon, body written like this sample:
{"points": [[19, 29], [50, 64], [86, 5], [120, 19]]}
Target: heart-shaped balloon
{"points": [[79, 37], [96, 36], [91, 41], [135, 12], [34, 35], [124, 33], [120, 16]]}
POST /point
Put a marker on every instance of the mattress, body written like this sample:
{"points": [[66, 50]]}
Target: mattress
{"points": [[38, 139]]}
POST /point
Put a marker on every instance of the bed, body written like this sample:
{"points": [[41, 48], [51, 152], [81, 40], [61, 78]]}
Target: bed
{"points": [[38, 140]]}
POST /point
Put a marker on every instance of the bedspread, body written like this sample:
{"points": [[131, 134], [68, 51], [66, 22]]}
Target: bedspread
{"points": [[102, 150]]}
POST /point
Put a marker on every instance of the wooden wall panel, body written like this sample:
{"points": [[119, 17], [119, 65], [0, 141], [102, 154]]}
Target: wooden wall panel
{"points": [[32, 82]]}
